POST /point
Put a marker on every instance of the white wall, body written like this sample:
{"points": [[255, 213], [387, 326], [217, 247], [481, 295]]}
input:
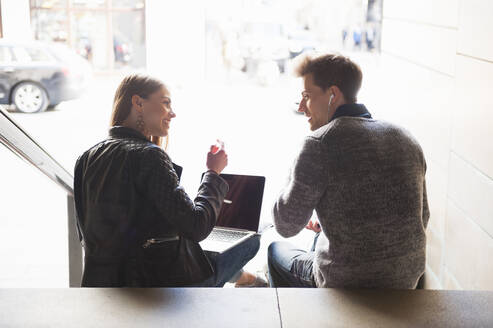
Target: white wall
{"points": [[16, 19], [437, 62]]}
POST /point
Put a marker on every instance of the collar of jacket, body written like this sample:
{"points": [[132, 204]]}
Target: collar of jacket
{"points": [[122, 132], [353, 110]]}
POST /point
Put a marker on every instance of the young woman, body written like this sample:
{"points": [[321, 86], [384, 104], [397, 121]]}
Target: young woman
{"points": [[139, 227]]}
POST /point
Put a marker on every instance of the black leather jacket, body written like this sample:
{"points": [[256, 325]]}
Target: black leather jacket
{"points": [[139, 227]]}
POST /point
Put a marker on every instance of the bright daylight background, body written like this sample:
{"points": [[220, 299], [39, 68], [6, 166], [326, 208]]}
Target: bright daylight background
{"points": [[227, 63]]}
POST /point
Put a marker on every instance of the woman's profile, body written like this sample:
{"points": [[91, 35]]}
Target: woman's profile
{"points": [[139, 227]]}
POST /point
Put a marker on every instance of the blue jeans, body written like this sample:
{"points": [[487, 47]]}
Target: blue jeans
{"points": [[290, 266], [228, 265]]}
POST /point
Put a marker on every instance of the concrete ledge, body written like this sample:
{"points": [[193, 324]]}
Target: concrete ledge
{"points": [[176, 307], [228, 307], [385, 308]]}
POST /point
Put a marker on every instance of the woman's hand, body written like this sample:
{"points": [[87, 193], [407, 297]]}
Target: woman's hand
{"points": [[314, 226], [217, 159]]}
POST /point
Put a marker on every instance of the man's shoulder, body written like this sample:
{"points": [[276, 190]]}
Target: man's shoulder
{"points": [[399, 133], [342, 125], [349, 125]]}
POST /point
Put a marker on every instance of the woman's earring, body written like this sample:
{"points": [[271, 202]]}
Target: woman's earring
{"points": [[140, 123]]}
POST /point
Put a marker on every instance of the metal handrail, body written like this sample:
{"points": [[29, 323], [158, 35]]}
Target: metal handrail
{"points": [[15, 138]]}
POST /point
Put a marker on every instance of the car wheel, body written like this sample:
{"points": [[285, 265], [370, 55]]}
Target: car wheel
{"points": [[52, 106], [29, 97]]}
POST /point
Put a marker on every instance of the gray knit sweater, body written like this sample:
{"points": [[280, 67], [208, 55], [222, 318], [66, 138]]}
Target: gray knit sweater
{"points": [[366, 181]]}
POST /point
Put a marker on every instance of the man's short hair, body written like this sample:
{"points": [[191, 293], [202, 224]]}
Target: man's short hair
{"points": [[329, 70]]}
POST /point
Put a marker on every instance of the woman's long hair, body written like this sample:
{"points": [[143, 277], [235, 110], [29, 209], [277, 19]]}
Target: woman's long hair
{"points": [[159, 141], [135, 84]]}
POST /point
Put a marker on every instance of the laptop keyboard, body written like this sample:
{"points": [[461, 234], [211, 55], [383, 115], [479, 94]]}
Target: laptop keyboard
{"points": [[227, 235]]}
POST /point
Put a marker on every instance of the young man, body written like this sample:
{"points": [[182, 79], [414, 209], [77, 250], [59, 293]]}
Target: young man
{"points": [[366, 181]]}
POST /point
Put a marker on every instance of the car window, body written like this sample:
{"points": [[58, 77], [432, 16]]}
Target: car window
{"points": [[64, 54], [38, 55], [27, 55], [5, 55], [21, 55]]}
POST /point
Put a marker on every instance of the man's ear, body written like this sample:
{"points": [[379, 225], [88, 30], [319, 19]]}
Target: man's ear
{"points": [[334, 90], [137, 102]]}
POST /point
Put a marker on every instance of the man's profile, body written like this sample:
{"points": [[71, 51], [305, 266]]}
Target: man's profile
{"points": [[365, 179]]}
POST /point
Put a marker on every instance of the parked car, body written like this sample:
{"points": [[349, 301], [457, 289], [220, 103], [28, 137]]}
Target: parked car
{"points": [[35, 75]]}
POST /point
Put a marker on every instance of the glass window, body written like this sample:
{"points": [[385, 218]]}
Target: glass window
{"points": [[50, 25], [128, 4], [89, 3], [89, 40], [129, 39], [39, 55], [77, 24], [48, 3], [21, 55], [5, 55]]}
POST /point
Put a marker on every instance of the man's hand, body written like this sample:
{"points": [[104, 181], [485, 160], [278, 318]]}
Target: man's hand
{"points": [[314, 226]]}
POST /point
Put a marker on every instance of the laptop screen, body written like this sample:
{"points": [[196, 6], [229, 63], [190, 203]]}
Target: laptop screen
{"points": [[243, 202]]}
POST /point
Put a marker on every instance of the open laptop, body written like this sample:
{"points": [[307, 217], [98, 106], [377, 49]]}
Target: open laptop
{"points": [[240, 213]]}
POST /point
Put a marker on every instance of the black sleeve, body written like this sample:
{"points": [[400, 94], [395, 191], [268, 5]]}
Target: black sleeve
{"points": [[79, 214], [158, 181]]}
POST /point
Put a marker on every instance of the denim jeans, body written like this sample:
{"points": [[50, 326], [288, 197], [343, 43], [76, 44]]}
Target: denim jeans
{"points": [[228, 265], [290, 266]]}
